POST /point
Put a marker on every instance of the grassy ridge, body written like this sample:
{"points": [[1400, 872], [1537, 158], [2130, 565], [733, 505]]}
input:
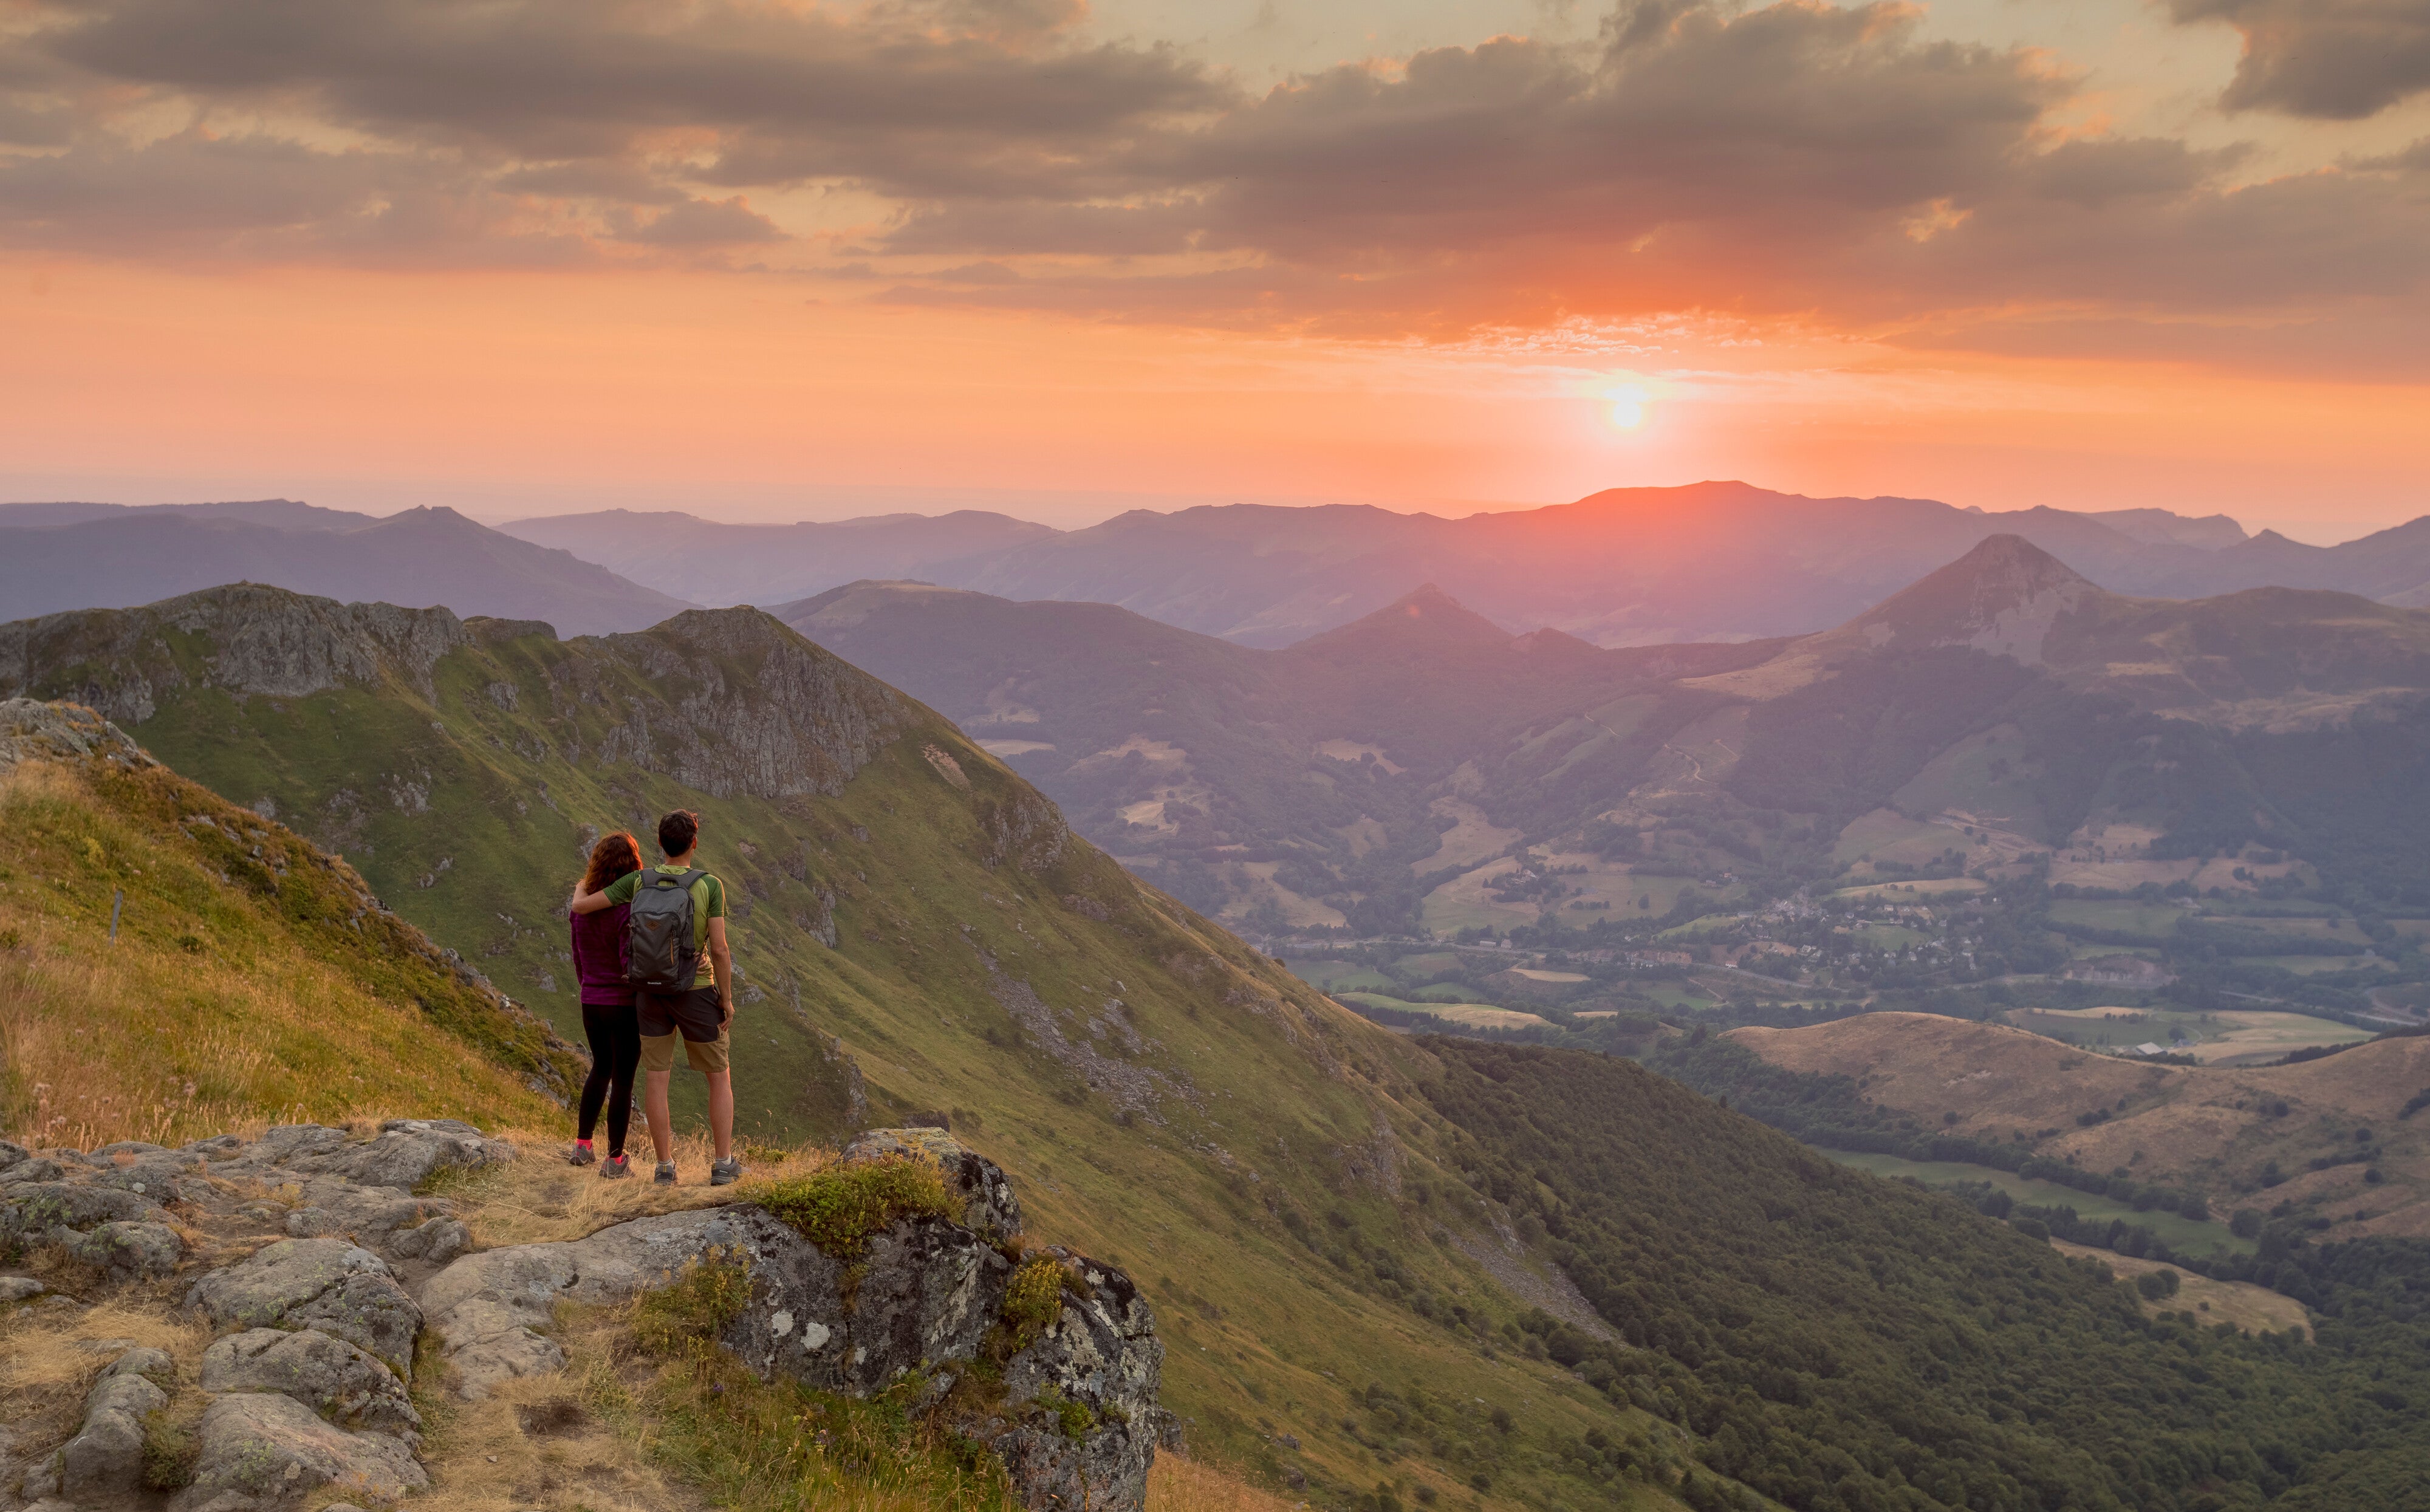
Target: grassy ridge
{"points": [[249, 979]]}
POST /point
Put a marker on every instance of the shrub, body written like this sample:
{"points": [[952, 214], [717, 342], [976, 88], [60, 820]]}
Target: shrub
{"points": [[838, 1209], [171, 1447], [1033, 1303]]}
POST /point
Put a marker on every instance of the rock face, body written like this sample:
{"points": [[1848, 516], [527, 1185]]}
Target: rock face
{"points": [[306, 1388]]}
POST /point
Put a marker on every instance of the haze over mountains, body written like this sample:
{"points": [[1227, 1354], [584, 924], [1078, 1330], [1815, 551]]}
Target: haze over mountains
{"points": [[59, 557], [1378, 772], [1626, 566]]}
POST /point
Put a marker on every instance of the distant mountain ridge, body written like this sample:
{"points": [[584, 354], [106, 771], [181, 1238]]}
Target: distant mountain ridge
{"points": [[715, 563], [1344, 778], [56, 558], [1707, 561]]}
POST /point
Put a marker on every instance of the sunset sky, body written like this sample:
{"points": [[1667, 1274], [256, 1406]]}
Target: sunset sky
{"points": [[794, 260]]}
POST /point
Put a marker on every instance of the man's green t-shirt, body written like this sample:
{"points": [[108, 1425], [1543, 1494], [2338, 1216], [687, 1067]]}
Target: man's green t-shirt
{"points": [[707, 903]]}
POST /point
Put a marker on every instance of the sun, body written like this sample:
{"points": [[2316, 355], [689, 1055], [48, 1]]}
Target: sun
{"points": [[1628, 406]]}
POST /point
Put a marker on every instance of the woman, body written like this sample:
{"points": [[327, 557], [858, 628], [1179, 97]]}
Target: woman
{"points": [[607, 1016]]}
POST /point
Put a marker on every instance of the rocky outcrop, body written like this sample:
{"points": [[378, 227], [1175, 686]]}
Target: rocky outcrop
{"points": [[1049, 1358], [751, 708], [329, 1284], [309, 1389], [1070, 1408], [243, 639], [31, 730]]}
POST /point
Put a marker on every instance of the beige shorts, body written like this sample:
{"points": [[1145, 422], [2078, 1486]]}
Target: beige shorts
{"points": [[680, 1016]]}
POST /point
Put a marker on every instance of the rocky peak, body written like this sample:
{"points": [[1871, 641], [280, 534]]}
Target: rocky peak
{"points": [[2002, 597]]}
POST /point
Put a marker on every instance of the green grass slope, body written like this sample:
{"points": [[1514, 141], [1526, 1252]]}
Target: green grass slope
{"points": [[251, 975]]}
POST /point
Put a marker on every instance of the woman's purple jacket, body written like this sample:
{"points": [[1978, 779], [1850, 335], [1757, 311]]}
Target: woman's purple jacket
{"points": [[599, 958]]}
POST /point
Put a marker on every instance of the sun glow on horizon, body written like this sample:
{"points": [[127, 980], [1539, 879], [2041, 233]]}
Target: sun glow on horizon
{"points": [[1630, 404]]}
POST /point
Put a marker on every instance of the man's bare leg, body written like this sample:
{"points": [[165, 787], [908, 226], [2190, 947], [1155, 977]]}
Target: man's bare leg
{"points": [[663, 1125], [721, 1110]]}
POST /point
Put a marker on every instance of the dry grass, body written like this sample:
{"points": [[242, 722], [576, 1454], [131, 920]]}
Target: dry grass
{"points": [[47, 1361], [538, 1199], [204, 1016], [1179, 1484], [2256, 1310]]}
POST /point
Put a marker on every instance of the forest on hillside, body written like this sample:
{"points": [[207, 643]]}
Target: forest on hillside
{"points": [[1844, 1343]]}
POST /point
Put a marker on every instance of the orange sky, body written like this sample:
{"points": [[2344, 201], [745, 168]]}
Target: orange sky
{"points": [[1134, 271]]}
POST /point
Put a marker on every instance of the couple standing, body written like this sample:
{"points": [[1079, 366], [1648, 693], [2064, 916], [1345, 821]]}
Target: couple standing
{"points": [[650, 953]]}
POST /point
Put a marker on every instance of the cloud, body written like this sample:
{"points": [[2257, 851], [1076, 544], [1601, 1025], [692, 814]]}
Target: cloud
{"points": [[2334, 60], [1830, 163], [699, 222]]}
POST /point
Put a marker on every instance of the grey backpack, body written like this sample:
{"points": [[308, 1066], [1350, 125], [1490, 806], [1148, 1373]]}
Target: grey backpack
{"points": [[660, 955]]}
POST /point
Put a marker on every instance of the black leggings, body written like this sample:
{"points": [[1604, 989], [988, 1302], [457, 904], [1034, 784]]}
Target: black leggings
{"points": [[615, 1036]]}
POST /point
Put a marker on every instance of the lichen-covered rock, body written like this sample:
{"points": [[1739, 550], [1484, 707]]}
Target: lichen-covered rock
{"points": [[330, 1285], [276, 1450], [331, 1376], [125, 1252], [105, 1460], [405, 1154], [1080, 1425], [35, 1207], [989, 1204], [925, 1293]]}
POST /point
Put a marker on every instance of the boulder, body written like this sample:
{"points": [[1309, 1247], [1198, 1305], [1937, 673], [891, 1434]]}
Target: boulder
{"points": [[20, 1288], [331, 1376], [339, 1289], [405, 1154], [104, 1462], [125, 1252], [40, 1206], [275, 1449]]}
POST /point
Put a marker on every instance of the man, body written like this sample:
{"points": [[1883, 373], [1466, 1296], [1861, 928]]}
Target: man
{"points": [[702, 1013]]}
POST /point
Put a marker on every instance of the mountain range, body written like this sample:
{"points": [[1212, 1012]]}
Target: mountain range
{"points": [[61, 556], [1709, 561], [1377, 776], [1387, 1270]]}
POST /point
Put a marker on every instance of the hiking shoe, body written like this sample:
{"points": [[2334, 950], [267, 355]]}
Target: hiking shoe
{"points": [[615, 1168], [666, 1176], [726, 1171], [580, 1155]]}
